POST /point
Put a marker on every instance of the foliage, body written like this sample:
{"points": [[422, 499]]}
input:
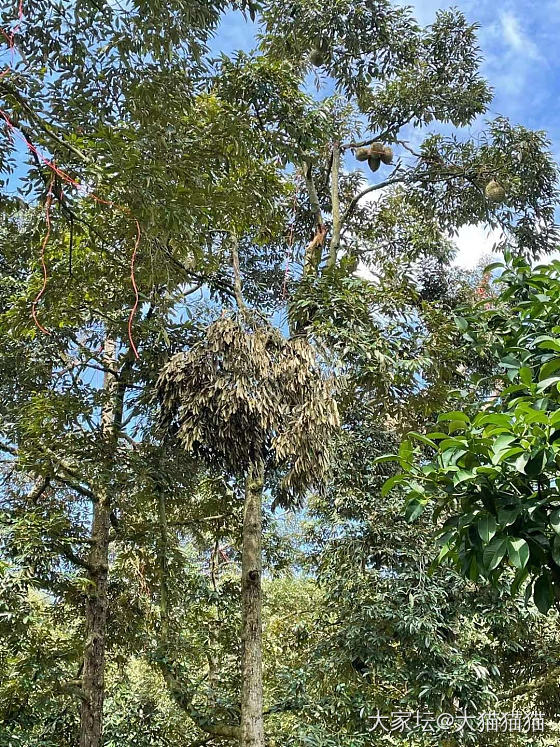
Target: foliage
{"points": [[138, 105], [245, 390], [493, 472]]}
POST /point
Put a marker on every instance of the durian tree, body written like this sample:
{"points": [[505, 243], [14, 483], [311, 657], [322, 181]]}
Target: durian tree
{"points": [[199, 148], [248, 399]]}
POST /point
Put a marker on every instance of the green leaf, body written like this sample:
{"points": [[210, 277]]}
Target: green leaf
{"points": [[535, 466], [518, 552], [462, 475], [556, 549], [549, 343], [510, 361], [386, 458], [493, 553], [423, 439], [546, 383], [493, 418], [502, 442], [520, 577], [456, 425], [406, 453], [413, 510], [389, 484], [507, 516], [549, 368], [454, 415], [451, 456], [543, 595], [461, 323], [526, 375], [492, 266], [487, 528], [521, 462], [555, 520], [503, 455], [443, 553]]}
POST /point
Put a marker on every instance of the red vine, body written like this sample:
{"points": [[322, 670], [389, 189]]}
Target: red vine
{"points": [[48, 203], [10, 38]]}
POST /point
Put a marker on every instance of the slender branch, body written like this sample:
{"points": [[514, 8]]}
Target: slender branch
{"points": [[183, 698], [203, 742], [312, 192], [40, 122], [389, 132], [188, 522], [69, 477], [162, 562], [8, 449], [39, 488], [551, 678], [283, 707], [221, 285], [73, 558], [328, 170], [72, 688], [335, 201], [236, 273], [313, 251], [372, 188]]}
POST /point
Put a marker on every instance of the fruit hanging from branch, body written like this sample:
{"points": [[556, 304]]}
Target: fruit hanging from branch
{"points": [[494, 191], [387, 155], [377, 149], [317, 58], [376, 153]]}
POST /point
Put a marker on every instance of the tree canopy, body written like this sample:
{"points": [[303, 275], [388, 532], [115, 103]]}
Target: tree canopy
{"points": [[227, 293]]}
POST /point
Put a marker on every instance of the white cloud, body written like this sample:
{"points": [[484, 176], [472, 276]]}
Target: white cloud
{"points": [[518, 42], [474, 243]]}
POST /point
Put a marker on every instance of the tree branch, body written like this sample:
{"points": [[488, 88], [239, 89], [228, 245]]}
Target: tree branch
{"points": [[70, 478], [312, 192], [335, 201], [44, 126], [183, 698], [236, 273], [372, 188], [533, 685], [70, 555]]}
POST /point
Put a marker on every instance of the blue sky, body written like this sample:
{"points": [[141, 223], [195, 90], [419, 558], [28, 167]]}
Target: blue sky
{"points": [[519, 40]]}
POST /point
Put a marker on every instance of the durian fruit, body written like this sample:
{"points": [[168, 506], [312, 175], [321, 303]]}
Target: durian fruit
{"points": [[387, 155], [377, 149], [362, 154], [373, 162], [317, 58], [494, 191]]}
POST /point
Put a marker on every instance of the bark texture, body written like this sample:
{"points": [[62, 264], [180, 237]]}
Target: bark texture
{"points": [[93, 670], [335, 200], [252, 728]]}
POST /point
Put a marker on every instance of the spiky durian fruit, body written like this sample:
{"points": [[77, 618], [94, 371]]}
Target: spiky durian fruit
{"points": [[494, 191]]}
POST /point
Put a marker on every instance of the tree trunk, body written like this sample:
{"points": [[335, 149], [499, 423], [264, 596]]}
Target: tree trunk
{"points": [[93, 670], [252, 728], [335, 201]]}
